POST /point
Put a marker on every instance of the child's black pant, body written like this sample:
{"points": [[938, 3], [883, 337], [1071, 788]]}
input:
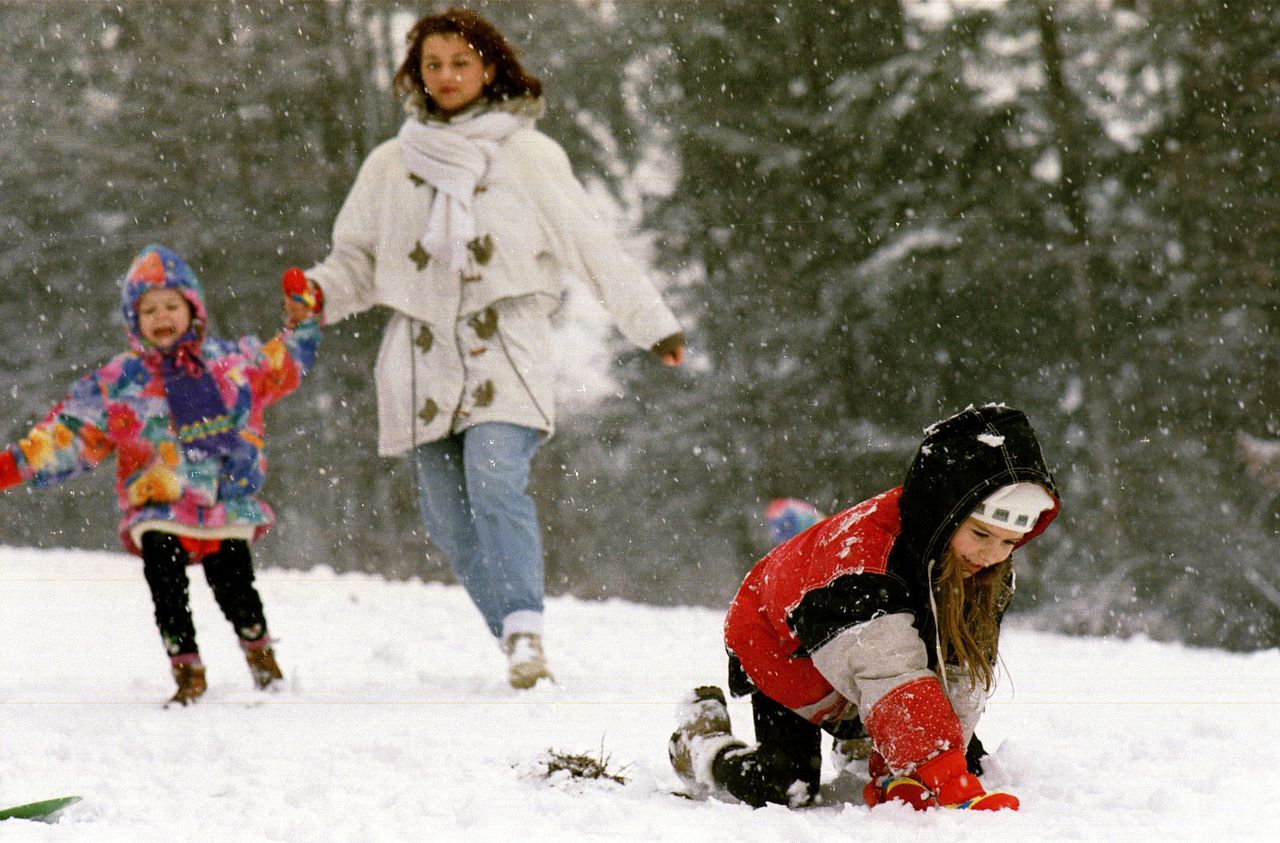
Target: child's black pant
{"points": [[229, 572], [786, 765]]}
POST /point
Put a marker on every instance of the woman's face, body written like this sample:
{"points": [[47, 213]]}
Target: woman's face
{"points": [[163, 316], [453, 72], [980, 545]]}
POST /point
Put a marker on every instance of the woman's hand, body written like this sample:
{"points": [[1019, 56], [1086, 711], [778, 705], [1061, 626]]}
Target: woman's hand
{"points": [[670, 350]]}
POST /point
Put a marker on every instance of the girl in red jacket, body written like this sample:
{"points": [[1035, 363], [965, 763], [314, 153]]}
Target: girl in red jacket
{"points": [[884, 617]]}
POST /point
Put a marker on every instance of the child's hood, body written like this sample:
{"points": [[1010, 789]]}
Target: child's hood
{"points": [[962, 460], [158, 267]]}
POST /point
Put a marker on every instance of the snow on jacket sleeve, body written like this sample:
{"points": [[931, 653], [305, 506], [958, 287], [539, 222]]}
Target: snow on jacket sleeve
{"points": [[71, 440], [587, 247]]}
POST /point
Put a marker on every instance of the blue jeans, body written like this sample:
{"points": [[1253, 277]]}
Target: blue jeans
{"points": [[472, 493]]}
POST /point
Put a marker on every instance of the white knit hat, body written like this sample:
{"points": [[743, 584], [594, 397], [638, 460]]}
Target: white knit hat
{"points": [[1014, 507]]}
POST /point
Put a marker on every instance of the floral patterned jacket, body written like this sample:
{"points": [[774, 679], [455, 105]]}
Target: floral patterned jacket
{"points": [[122, 408]]}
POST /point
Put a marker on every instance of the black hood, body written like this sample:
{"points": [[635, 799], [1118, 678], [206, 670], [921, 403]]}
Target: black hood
{"points": [[962, 460]]}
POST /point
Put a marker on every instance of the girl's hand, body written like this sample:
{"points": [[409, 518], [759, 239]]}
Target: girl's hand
{"points": [[302, 298]]}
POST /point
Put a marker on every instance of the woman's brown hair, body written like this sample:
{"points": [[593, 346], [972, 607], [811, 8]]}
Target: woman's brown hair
{"points": [[510, 81], [969, 613]]}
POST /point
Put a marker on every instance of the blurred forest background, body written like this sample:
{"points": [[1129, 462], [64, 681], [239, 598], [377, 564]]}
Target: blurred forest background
{"points": [[869, 214]]}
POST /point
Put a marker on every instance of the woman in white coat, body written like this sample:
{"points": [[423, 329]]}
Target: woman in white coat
{"points": [[462, 224]]}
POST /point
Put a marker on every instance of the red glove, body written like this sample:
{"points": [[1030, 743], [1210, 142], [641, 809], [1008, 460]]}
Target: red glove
{"points": [[947, 776], [300, 289]]}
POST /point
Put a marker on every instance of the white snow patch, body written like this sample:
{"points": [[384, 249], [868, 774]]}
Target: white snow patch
{"points": [[397, 725]]}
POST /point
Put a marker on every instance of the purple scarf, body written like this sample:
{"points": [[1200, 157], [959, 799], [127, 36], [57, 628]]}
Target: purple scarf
{"points": [[204, 426]]}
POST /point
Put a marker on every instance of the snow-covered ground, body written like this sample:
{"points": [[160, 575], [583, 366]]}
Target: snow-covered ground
{"points": [[397, 725]]}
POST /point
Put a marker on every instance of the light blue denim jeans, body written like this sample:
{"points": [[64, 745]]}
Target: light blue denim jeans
{"points": [[472, 491]]}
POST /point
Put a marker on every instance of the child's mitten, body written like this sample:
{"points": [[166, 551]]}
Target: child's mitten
{"points": [[9, 475], [300, 289]]}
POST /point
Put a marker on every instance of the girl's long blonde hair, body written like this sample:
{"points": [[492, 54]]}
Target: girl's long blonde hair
{"points": [[969, 611]]}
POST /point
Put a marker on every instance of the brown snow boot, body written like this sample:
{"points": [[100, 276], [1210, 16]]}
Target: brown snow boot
{"points": [[191, 683], [262, 666]]}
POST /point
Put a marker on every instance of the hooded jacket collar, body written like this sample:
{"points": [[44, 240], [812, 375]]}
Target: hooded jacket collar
{"points": [[158, 267]]}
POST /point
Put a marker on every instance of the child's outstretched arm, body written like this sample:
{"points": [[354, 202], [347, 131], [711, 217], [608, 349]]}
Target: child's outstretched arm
{"points": [[71, 440]]}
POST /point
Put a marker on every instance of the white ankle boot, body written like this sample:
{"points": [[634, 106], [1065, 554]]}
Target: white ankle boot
{"points": [[702, 732], [526, 663]]}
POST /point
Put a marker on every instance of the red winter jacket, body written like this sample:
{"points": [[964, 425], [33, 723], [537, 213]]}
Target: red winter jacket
{"points": [[758, 629]]}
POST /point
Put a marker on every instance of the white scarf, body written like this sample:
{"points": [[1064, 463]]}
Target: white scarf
{"points": [[453, 158]]}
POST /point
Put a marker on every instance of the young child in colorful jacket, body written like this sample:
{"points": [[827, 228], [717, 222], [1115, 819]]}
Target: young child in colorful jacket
{"points": [[183, 413], [884, 617]]}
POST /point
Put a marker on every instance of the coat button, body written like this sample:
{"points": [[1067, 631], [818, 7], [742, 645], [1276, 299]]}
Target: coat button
{"points": [[425, 339], [481, 249], [420, 256], [484, 323]]}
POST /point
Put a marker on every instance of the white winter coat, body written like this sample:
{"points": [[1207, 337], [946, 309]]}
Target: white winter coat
{"points": [[456, 352]]}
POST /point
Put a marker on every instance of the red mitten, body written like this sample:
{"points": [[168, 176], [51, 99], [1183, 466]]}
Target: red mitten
{"points": [[9, 475], [297, 287], [948, 776]]}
